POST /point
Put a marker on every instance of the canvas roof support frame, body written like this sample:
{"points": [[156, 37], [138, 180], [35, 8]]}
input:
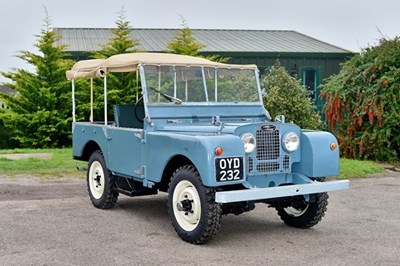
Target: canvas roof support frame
{"points": [[132, 62], [91, 116]]}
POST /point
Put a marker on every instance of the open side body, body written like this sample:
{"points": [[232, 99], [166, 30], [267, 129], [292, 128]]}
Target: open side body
{"points": [[205, 118]]}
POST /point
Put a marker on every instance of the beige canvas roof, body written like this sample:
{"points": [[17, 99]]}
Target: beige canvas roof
{"points": [[130, 62]]}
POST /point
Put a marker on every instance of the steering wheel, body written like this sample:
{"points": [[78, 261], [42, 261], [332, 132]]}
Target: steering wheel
{"points": [[135, 110]]}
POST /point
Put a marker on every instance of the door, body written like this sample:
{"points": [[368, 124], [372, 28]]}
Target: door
{"points": [[310, 81], [126, 148]]}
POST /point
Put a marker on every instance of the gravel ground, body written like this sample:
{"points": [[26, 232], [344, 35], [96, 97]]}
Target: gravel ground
{"points": [[54, 223]]}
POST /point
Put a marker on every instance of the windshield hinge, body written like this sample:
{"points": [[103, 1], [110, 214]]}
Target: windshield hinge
{"points": [[216, 120], [140, 135]]}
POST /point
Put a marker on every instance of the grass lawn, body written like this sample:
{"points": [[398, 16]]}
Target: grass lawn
{"points": [[354, 169], [61, 164]]}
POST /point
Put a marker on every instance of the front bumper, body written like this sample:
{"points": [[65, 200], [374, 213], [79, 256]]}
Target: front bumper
{"points": [[279, 192]]}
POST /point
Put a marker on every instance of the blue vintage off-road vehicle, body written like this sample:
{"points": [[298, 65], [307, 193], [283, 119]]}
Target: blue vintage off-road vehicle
{"points": [[200, 132]]}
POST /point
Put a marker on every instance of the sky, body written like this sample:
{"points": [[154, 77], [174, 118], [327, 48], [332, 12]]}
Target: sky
{"points": [[352, 25]]}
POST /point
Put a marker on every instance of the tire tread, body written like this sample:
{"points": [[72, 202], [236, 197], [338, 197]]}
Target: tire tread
{"points": [[213, 212], [311, 217], [110, 195]]}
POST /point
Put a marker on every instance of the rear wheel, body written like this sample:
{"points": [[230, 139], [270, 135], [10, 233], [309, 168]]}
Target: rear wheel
{"points": [[100, 182], [195, 215], [305, 215]]}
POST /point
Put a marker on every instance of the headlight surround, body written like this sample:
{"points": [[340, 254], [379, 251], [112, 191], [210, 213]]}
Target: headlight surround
{"points": [[291, 141], [249, 142]]}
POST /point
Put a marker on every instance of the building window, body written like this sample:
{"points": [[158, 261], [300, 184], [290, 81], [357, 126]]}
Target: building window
{"points": [[310, 78]]}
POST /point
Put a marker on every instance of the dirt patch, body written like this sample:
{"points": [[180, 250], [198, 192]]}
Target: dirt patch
{"points": [[33, 188], [391, 167], [19, 156]]}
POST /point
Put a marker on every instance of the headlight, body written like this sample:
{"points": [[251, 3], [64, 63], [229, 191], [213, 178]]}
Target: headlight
{"points": [[291, 141], [249, 142]]}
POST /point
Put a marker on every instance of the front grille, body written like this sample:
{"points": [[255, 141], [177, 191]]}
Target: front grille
{"points": [[250, 165], [267, 144], [269, 157], [286, 162], [268, 167]]}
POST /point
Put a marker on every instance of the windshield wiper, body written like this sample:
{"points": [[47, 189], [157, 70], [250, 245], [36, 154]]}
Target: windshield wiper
{"points": [[167, 96]]}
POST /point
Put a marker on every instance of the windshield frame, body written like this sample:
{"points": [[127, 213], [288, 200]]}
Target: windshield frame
{"points": [[206, 92]]}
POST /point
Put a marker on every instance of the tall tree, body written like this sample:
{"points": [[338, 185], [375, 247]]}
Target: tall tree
{"points": [[121, 42], [186, 44], [122, 87], [40, 113]]}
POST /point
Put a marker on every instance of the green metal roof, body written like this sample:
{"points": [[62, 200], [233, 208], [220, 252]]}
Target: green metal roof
{"points": [[238, 41]]}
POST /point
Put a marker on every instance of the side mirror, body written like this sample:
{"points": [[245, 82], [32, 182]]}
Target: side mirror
{"points": [[280, 119]]}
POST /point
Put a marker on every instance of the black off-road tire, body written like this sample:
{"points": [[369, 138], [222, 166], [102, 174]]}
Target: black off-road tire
{"points": [[200, 219], [305, 215], [100, 182]]}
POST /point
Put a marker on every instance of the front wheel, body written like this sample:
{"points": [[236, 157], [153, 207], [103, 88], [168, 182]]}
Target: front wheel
{"points": [[100, 183], [195, 215], [305, 215]]}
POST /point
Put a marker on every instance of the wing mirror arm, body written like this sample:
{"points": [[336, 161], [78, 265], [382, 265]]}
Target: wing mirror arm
{"points": [[280, 119]]}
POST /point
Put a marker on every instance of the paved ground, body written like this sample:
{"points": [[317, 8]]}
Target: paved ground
{"points": [[54, 223]]}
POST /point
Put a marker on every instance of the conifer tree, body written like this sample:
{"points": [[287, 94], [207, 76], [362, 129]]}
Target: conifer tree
{"points": [[121, 42], [186, 44], [40, 113], [122, 87]]}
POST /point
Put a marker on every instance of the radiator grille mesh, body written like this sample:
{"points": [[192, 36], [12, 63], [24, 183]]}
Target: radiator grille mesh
{"points": [[267, 145], [269, 157]]}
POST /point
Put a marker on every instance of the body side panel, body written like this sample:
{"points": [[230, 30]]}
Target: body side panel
{"points": [[83, 133]]}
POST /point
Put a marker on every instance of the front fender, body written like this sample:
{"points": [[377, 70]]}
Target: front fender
{"points": [[161, 146], [317, 157]]}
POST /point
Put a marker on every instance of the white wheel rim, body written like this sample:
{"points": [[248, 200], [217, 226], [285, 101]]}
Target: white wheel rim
{"points": [[96, 180], [188, 220], [295, 212]]}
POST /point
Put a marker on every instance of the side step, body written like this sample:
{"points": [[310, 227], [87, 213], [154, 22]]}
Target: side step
{"points": [[132, 188], [138, 192]]}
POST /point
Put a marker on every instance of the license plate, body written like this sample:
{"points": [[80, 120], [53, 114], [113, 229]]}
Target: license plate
{"points": [[229, 169]]}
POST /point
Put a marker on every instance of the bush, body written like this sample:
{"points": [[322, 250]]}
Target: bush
{"points": [[363, 103], [286, 96]]}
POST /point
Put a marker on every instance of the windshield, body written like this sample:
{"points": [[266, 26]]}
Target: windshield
{"points": [[177, 84]]}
